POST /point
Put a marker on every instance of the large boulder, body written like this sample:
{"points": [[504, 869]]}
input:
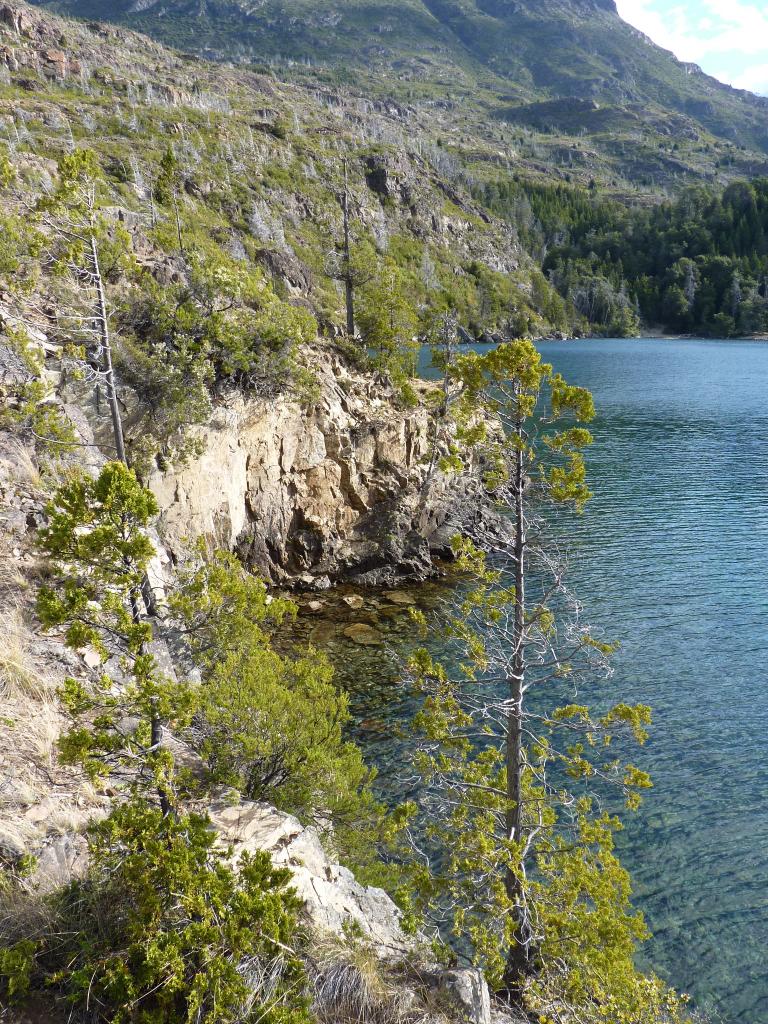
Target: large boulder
{"points": [[466, 996]]}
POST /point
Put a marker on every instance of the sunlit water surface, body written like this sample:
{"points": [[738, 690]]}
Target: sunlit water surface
{"points": [[671, 560]]}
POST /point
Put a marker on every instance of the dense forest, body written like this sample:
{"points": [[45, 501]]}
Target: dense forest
{"points": [[697, 264]]}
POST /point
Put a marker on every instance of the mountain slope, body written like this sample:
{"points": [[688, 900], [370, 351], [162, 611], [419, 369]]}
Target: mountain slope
{"points": [[502, 54]]}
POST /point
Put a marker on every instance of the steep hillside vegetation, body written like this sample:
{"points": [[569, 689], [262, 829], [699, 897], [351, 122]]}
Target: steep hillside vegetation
{"points": [[256, 174], [557, 69]]}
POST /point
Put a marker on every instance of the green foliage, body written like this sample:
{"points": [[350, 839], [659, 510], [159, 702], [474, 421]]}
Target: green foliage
{"points": [[225, 325], [163, 930], [696, 264], [20, 243], [388, 323], [77, 172], [175, 396], [72, 213], [7, 171], [98, 552], [168, 180], [269, 725], [17, 962], [510, 383], [515, 785], [28, 403]]}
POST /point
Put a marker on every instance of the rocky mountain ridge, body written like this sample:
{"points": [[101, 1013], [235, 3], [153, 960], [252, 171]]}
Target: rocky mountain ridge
{"points": [[486, 61]]}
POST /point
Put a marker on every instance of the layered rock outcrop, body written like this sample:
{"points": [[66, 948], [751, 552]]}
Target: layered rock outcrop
{"points": [[339, 490]]}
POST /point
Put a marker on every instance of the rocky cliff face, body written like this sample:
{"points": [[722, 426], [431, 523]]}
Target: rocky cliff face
{"points": [[338, 490]]}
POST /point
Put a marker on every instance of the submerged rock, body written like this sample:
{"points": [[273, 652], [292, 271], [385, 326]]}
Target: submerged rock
{"points": [[363, 634], [322, 633], [400, 597]]}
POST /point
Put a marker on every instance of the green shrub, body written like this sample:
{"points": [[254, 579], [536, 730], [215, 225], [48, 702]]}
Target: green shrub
{"points": [[163, 930], [271, 725], [26, 405]]}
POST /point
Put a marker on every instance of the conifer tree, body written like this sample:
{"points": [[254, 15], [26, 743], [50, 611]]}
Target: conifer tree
{"points": [[517, 849], [98, 553], [388, 322]]}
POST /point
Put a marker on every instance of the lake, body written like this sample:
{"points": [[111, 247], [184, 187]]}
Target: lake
{"points": [[671, 559]]}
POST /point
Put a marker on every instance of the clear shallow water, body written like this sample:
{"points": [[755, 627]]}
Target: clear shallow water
{"points": [[671, 559]]}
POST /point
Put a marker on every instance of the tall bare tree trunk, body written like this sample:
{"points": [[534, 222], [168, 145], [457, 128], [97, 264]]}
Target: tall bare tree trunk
{"points": [[348, 285], [106, 356], [519, 955], [178, 222]]}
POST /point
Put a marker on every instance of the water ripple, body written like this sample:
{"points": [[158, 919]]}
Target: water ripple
{"points": [[671, 559]]}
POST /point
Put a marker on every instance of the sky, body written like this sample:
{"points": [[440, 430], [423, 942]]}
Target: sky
{"points": [[727, 38]]}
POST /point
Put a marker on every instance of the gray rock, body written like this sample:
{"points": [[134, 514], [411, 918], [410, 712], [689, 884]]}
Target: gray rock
{"points": [[333, 900], [12, 849], [504, 1017], [467, 993], [13, 370], [163, 659], [60, 861]]}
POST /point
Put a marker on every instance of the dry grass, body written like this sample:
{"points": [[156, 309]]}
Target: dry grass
{"points": [[351, 985], [22, 467], [12, 579], [20, 677]]}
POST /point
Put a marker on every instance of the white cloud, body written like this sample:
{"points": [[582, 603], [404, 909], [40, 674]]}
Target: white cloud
{"points": [[671, 29], [754, 78], [728, 38]]}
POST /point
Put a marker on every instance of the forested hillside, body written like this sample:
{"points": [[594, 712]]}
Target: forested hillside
{"points": [[695, 265]]}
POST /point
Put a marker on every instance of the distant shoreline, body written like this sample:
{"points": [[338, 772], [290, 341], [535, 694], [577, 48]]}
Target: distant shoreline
{"points": [[657, 336]]}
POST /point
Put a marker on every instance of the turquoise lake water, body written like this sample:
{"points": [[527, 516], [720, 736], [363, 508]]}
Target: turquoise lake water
{"points": [[671, 559]]}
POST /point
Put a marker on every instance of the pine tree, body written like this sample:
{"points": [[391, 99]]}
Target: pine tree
{"points": [[516, 849]]}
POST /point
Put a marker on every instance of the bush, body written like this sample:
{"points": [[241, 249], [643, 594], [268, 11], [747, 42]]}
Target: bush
{"points": [[224, 326], [163, 931], [26, 404], [270, 725], [273, 728]]}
